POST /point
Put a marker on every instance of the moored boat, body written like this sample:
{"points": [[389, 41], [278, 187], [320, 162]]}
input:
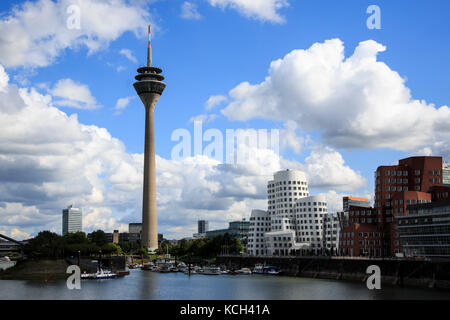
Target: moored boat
{"points": [[99, 275], [244, 271], [210, 271]]}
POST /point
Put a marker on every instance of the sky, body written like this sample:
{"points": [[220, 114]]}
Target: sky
{"points": [[345, 98]]}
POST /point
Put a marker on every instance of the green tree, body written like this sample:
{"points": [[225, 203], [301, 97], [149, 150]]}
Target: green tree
{"points": [[76, 238], [99, 238], [111, 248], [45, 244]]}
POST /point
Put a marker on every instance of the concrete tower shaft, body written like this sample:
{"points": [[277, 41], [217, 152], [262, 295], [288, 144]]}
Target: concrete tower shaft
{"points": [[149, 87]]}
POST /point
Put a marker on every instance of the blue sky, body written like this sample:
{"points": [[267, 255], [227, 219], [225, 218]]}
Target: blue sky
{"points": [[212, 55]]}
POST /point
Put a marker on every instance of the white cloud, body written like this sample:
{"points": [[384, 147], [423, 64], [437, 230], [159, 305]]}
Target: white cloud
{"points": [[264, 10], [355, 102], [189, 11], [128, 54], [46, 165], [121, 104], [4, 79], [214, 101], [36, 33], [205, 118], [326, 169], [73, 95]]}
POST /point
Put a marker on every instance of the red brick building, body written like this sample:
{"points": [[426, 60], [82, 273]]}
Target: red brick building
{"points": [[360, 234], [414, 180]]}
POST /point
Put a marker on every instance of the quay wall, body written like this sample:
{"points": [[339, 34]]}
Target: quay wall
{"points": [[433, 274]]}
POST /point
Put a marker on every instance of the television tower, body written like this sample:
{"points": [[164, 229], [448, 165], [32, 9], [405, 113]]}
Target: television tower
{"points": [[149, 87]]}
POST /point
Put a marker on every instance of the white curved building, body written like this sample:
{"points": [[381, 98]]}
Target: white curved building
{"points": [[309, 214], [283, 192], [296, 218], [259, 225]]}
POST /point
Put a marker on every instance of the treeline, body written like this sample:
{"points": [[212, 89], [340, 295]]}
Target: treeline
{"points": [[202, 248], [51, 245]]}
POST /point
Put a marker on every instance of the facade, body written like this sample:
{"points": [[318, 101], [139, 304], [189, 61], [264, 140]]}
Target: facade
{"points": [[446, 174], [354, 201], [203, 226], [135, 227], [425, 230], [374, 231], [115, 237], [259, 225], [295, 222], [360, 234], [72, 220], [330, 233], [416, 174], [236, 229]]}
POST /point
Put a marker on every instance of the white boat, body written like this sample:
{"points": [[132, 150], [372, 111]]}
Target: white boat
{"points": [[5, 259], [244, 271], [224, 271], [258, 269], [165, 268], [273, 272], [99, 275], [210, 271]]}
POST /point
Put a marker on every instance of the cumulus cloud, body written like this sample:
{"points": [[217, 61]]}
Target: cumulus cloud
{"points": [[36, 33], [204, 118], [264, 10], [189, 11], [128, 54], [121, 104], [214, 101], [355, 102], [4, 79], [47, 165], [73, 95], [326, 169]]}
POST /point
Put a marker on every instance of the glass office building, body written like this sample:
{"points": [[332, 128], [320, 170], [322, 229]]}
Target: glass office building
{"points": [[71, 220], [425, 230]]}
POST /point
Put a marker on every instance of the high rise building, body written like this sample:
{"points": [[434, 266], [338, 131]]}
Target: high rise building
{"points": [[425, 230], [354, 201], [374, 232], [149, 87], [396, 186], [203, 226], [294, 221], [135, 227], [71, 220]]}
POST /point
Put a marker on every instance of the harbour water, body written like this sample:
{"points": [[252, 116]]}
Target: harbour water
{"points": [[145, 285]]}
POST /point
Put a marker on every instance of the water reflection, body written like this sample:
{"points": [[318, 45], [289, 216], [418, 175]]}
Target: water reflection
{"points": [[145, 285]]}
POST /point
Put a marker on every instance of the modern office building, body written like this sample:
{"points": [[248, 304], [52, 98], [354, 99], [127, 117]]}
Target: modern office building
{"points": [[203, 226], [410, 180], [259, 225], [354, 201], [360, 234], [72, 220], [135, 227], [415, 180], [294, 221], [425, 230], [330, 233], [446, 174], [236, 229]]}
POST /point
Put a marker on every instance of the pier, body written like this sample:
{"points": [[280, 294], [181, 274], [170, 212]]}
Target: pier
{"points": [[421, 273]]}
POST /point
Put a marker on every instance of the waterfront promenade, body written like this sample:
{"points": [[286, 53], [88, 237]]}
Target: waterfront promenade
{"points": [[424, 273]]}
